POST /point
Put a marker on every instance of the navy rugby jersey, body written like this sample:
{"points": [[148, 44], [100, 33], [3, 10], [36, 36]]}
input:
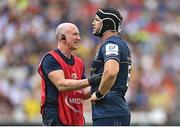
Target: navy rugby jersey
{"points": [[114, 103]]}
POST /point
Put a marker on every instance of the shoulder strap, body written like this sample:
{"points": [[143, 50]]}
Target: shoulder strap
{"points": [[61, 62]]}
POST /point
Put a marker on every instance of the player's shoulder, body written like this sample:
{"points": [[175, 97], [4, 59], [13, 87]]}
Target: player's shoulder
{"points": [[111, 43], [113, 40], [118, 41]]}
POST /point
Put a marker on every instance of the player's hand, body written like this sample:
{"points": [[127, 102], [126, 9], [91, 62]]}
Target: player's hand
{"points": [[95, 79], [94, 98]]}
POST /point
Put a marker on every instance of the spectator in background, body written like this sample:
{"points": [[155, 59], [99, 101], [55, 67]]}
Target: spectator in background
{"points": [[61, 71], [113, 59]]}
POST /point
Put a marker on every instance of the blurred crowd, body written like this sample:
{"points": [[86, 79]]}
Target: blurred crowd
{"points": [[27, 31]]}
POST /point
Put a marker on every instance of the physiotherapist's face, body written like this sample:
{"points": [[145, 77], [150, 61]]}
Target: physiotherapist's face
{"points": [[73, 38]]}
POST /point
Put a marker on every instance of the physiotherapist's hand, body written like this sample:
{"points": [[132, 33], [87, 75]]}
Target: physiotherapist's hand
{"points": [[95, 79]]}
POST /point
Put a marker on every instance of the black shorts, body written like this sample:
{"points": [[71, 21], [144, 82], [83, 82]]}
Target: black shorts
{"points": [[49, 120], [112, 121]]}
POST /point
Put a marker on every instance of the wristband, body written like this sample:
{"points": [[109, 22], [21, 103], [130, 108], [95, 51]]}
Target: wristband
{"points": [[99, 95]]}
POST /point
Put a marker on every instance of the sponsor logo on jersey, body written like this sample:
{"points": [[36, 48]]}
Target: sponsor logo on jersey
{"points": [[112, 49], [70, 101]]}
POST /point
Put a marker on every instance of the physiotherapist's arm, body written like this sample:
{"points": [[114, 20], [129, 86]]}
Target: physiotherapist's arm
{"points": [[58, 79], [86, 93]]}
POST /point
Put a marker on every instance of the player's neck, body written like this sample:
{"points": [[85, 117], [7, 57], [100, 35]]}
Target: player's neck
{"points": [[108, 34]]}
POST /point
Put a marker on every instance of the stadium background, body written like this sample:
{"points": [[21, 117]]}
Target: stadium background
{"points": [[152, 28]]}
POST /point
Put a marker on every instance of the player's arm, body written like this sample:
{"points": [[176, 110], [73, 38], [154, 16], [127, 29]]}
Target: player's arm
{"points": [[111, 69], [111, 54]]}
